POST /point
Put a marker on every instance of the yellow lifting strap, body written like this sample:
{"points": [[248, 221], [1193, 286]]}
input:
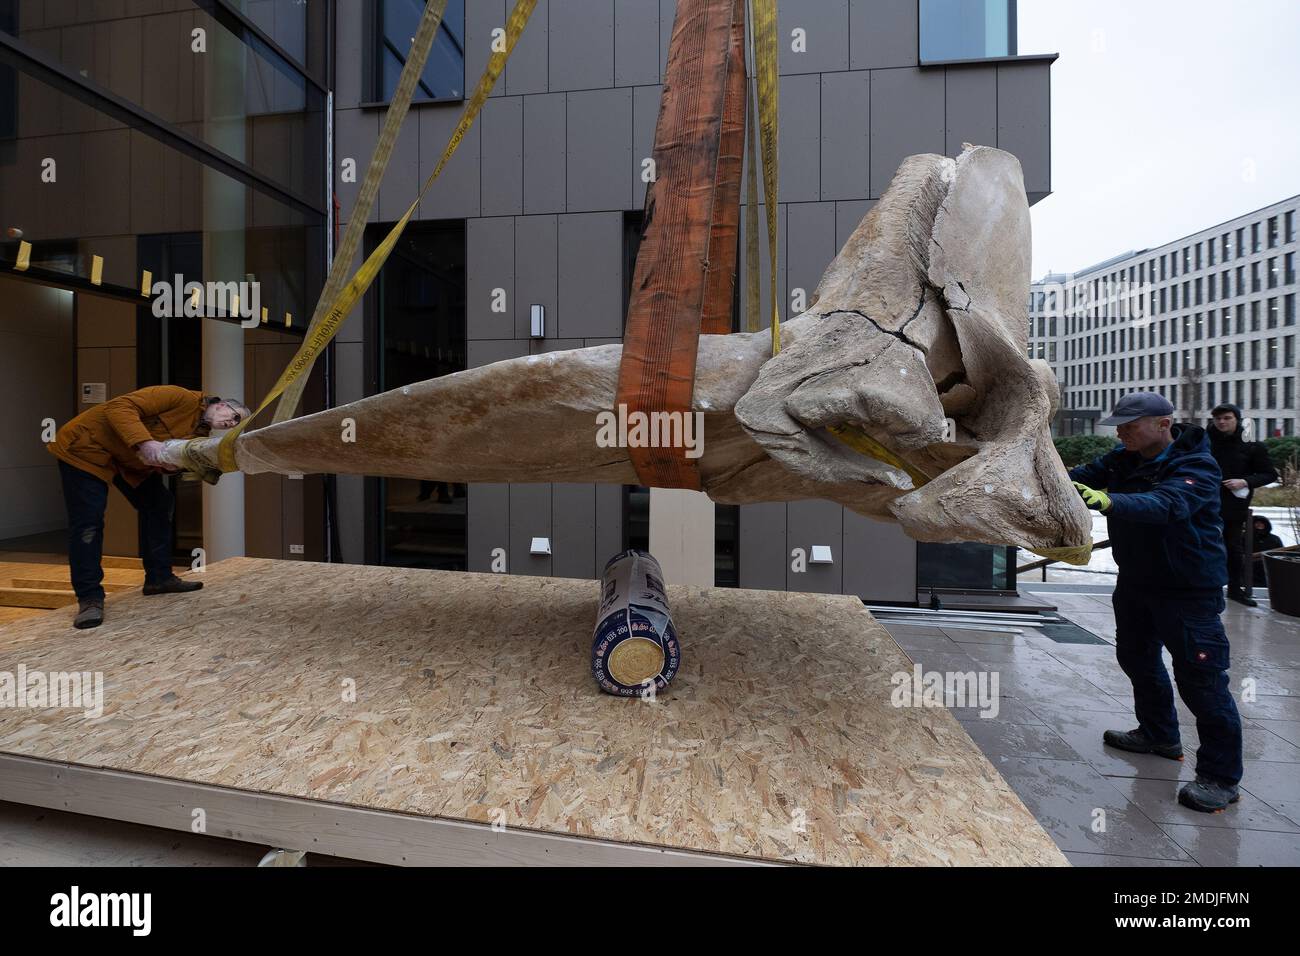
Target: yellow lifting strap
{"points": [[1078, 555], [863, 443], [394, 117], [334, 308]]}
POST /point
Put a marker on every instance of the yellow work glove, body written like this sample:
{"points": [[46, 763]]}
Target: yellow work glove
{"points": [[1094, 499]]}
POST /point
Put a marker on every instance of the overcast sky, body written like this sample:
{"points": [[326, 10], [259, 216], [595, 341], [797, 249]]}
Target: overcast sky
{"points": [[1168, 116]]}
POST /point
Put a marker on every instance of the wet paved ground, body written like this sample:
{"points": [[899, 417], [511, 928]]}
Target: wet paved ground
{"points": [[1057, 699]]}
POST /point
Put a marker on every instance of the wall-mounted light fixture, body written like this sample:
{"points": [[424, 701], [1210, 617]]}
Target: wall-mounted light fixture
{"points": [[538, 316], [540, 546], [821, 554]]}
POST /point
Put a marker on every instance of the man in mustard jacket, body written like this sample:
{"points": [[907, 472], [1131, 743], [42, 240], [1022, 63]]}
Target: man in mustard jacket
{"points": [[120, 441]]}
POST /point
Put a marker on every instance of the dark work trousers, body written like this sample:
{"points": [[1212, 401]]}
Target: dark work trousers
{"points": [[1189, 626], [86, 498], [1234, 538]]}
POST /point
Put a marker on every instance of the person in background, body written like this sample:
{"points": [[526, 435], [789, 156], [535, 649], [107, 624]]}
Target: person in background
{"points": [[1245, 466], [1159, 491], [120, 441], [1264, 540]]}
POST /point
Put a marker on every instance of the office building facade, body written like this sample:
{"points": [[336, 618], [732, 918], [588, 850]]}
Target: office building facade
{"points": [[1207, 318]]}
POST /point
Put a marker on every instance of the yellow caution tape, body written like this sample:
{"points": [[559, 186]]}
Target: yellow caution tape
{"points": [[331, 317], [764, 20]]}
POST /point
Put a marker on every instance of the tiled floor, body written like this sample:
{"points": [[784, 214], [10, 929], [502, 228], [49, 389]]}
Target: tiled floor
{"points": [[1105, 807]]}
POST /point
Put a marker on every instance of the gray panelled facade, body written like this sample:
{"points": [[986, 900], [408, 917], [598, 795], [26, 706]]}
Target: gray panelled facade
{"points": [[544, 180]]}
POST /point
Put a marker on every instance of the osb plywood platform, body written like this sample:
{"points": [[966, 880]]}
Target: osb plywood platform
{"points": [[474, 702]]}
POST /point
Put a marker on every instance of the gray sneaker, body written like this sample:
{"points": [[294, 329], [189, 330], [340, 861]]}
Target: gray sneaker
{"points": [[1208, 796], [89, 614], [1137, 741]]}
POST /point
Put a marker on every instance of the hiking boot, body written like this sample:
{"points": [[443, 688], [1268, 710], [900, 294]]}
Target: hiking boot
{"points": [[1136, 741], [1208, 796], [172, 585], [1243, 597], [89, 614]]}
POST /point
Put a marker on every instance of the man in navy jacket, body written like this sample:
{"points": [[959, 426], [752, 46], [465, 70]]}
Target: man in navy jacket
{"points": [[1161, 502]]}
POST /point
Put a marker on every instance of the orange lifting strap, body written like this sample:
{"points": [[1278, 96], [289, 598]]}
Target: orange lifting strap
{"points": [[684, 279]]}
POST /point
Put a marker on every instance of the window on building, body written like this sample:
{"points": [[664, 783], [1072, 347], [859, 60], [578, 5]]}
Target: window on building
{"points": [[1241, 242], [1254, 277], [1272, 353], [1199, 288], [1254, 316], [1288, 269], [1241, 317], [1209, 394], [1254, 237], [1288, 351], [1272, 232], [1254, 356], [1225, 246], [1288, 229], [1288, 310], [1209, 251], [393, 23], [1254, 395], [1273, 272], [1272, 313], [1225, 285], [967, 29]]}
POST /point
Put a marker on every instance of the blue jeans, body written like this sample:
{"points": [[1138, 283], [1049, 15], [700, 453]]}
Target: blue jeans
{"points": [[1189, 626], [86, 498]]}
